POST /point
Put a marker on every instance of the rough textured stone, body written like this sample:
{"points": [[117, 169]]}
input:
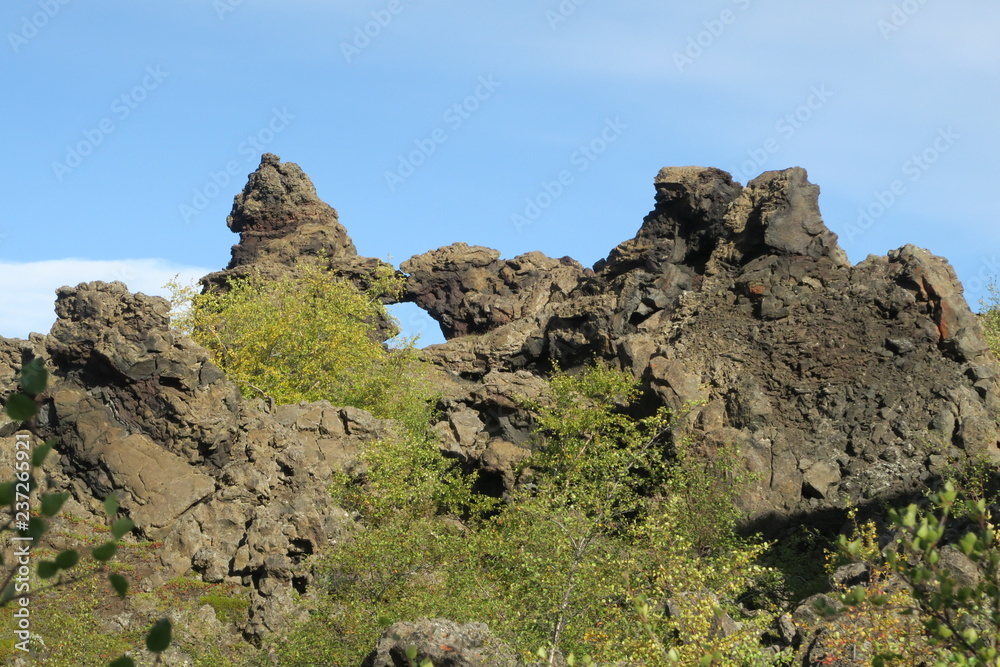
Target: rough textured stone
{"points": [[444, 643], [235, 491], [469, 290], [279, 202], [281, 219], [835, 381], [732, 306]]}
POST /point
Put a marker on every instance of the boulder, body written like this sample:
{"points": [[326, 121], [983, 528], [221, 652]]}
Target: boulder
{"points": [[443, 642]]}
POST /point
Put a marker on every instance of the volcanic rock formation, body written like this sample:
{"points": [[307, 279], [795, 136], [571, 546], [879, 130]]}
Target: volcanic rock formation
{"points": [[732, 305], [280, 218], [735, 306]]}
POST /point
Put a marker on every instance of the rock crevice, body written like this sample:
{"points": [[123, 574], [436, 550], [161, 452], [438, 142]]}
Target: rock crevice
{"points": [[731, 305]]}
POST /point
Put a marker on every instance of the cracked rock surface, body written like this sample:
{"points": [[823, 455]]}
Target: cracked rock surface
{"points": [[732, 305]]}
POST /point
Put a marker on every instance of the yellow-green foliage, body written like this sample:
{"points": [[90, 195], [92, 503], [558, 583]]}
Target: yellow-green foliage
{"points": [[990, 317], [866, 631], [403, 561], [600, 518], [607, 519], [939, 617], [228, 608], [406, 479], [308, 336]]}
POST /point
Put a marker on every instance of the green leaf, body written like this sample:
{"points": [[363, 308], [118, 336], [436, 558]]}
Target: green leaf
{"points": [[121, 526], [105, 552], [7, 493], [53, 502], [111, 505], [34, 377], [21, 408], [36, 528], [41, 452], [967, 543], [856, 596], [119, 583], [8, 593], [158, 638], [123, 661], [67, 559], [47, 569]]}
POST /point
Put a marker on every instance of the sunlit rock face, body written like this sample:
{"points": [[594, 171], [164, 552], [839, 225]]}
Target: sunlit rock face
{"points": [[732, 305]]}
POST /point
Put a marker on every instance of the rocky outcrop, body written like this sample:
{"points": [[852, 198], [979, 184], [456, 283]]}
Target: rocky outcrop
{"points": [[470, 290], [235, 490], [444, 643], [281, 219], [733, 306], [736, 306]]}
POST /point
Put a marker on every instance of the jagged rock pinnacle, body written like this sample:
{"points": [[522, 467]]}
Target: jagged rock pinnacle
{"points": [[279, 216]]}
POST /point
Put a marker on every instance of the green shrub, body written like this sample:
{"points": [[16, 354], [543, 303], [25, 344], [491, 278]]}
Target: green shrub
{"points": [[960, 617], [606, 523], [228, 608], [990, 317], [308, 336], [582, 558]]}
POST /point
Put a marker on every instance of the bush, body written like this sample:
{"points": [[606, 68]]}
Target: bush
{"points": [[990, 317], [584, 558], [959, 613], [307, 336], [596, 549]]}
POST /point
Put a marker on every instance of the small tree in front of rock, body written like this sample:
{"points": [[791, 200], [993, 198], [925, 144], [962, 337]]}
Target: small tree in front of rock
{"points": [[960, 615], [27, 526], [989, 316]]}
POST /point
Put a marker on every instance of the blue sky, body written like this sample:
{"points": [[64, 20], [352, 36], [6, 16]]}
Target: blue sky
{"points": [[516, 125]]}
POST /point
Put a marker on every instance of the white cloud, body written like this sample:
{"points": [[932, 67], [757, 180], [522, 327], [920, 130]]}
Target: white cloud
{"points": [[27, 304]]}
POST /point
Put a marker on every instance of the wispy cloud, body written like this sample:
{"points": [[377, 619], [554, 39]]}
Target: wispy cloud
{"points": [[27, 305]]}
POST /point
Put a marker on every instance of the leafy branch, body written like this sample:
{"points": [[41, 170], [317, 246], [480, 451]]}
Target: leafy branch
{"points": [[23, 406]]}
